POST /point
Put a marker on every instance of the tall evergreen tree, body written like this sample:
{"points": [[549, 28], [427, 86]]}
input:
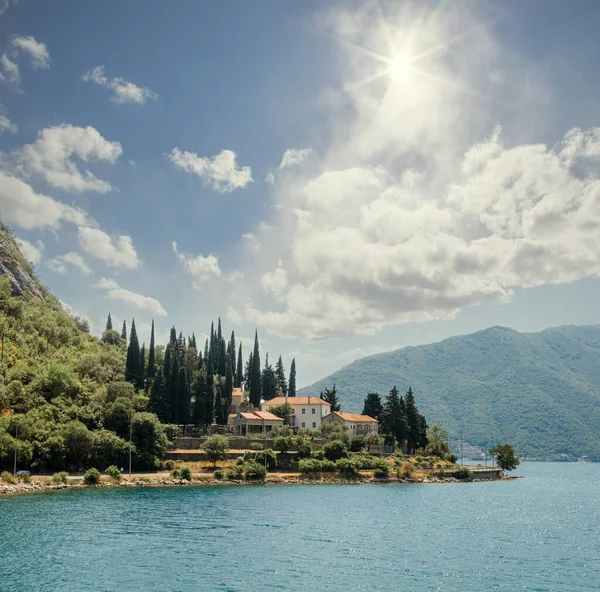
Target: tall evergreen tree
{"points": [[256, 379], [206, 351], [228, 384], [393, 417], [239, 374], [269, 381], [248, 373], [412, 419], [219, 332], [232, 354], [157, 400], [330, 395], [221, 410], [292, 383], [132, 363], [373, 406], [109, 323], [222, 359], [142, 375], [282, 387], [183, 401], [203, 399], [124, 331], [151, 354]]}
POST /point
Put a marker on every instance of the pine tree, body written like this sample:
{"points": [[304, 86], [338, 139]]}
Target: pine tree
{"points": [[151, 354], [256, 378], [292, 383], [393, 417], [412, 419], [109, 323], [373, 406], [124, 331], [269, 381], [282, 387], [239, 375], [330, 395], [132, 363]]}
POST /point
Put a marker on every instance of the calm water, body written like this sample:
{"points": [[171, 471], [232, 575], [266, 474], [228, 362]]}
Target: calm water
{"points": [[539, 533]]}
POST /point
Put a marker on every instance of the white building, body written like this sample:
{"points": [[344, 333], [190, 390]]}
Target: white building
{"points": [[356, 423], [307, 412]]}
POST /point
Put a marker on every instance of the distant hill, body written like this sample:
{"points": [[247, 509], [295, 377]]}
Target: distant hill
{"points": [[539, 391]]}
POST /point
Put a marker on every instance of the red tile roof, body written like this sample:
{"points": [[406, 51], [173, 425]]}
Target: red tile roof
{"points": [[260, 415], [295, 401], [355, 417]]}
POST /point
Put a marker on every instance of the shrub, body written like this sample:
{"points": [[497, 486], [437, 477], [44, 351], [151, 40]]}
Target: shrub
{"points": [[60, 478], [216, 448], [114, 473], [347, 468], [175, 474], [284, 443], [463, 474], [270, 456], [382, 469], [335, 450], [218, 474], [186, 473], [235, 473], [357, 443], [365, 462], [91, 477], [318, 454], [7, 478], [168, 465], [26, 478], [304, 448], [419, 459], [451, 457], [254, 470], [240, 460], [405, 470], [309, 465], [257, 446]]}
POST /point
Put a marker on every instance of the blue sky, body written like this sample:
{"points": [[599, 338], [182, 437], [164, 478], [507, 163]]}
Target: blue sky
{"points": [[347, 177]]}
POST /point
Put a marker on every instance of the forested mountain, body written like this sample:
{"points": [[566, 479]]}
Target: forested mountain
{"points": [[539, 391]]}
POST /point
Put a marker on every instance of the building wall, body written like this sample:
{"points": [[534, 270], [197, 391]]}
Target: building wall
{"points": [[311, 418], [354, 427]]}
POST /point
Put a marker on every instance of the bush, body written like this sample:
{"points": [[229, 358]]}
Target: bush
{"points": [[451, 458], [405, 470], [254, 470], [26, 478], [382, 469], [463, 474], [365, 462], [304, 448], [175, 474], [271, 458], [318, 454], [60, 478], [7, 478], [309, 465], [284, 443], [218, 474], [114, 473], [257, 446], [347, 468], [168, 465], [419, 459], [357, 443], [92, 477], [335, 450], [235, 473], [186, 473]]}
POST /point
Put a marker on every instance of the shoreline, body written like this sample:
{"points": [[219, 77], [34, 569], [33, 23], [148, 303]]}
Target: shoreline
{"points": [[43, 487]]}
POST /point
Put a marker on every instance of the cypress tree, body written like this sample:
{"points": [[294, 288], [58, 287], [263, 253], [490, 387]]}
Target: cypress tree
{"points": [[109, 323], [222, 359], [292, 383], [269, 381], [413, 421], [173, 385], [221, 411], [151, 359], [219, 332], [203, 399], [282, 387], [256, 378], [232, 354], [183, 401], [228, 384], [132, 363], [142, 368], [157, 400], [248, 373], [124, 331], [239, 374], [393, 417], [206, 351]]}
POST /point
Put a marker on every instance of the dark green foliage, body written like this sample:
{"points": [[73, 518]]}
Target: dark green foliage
{"points": [[216, 448], [112, 337], [133, 371], [268, 381], [221, 407], [239, 373], [357, 443], [393, 417], [292, 382], [60, 478], [505, 457], [382, 469], [330, 395], [255, 374], [124, 331], [149, 439], [282, 386], [347, 468], [158, 402], [218, 474], [109, 323], [185, 473], [372, 406], [463, 474], [114, 473], [284, 443], [92, 477], [437, 441], [335, 450], [151, 355], [284, 411]]}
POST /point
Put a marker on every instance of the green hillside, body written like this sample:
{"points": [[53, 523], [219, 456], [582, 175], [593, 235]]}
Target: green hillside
{"points": [[540, 391]]}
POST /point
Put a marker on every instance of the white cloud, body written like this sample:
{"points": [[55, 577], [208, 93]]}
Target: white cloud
{"points": [[199, 267], [21, 205], [219, 172], [294, 156], [37, 51], [124, 91], [270, 178], [114, 251], [275, 281], [10, 70], [32, 252], [59, 263], [7, 126], [115, 292], [51, 157]]}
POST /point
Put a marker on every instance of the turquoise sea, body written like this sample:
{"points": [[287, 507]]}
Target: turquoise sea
{"points": [[537, 533]]}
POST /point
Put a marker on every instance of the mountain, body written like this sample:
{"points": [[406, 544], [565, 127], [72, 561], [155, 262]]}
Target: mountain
{"points": [[538, 391]]}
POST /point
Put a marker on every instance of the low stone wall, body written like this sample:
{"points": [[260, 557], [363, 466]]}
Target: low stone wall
{"points": [[490, 474], [235, 442]]}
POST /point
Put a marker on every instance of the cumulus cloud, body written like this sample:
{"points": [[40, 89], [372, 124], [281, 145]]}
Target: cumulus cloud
{"points": [[294, 156], [422, 206], [123, 90], [115, 292], [113, 251], [51, 157], [219, 172], [31, 252], [9, 70], [200, 268], [22, 206], [60, 263], [37, 51], [7, 126]]}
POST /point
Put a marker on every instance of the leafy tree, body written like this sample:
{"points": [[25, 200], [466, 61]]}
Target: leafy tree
{"points": [[357, 443], [372, 440], [335, 450], [112, 337], [282, 386], [373, 407], [284, 411], [216, 448], [284, 443], [109, 326], [292, 383], [437, 441], [255, 375], [505, 456], [150, 440], [124, 331], [330, 395]]}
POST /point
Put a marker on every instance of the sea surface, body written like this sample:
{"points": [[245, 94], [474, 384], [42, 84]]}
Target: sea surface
{"points": [[537, 533]]}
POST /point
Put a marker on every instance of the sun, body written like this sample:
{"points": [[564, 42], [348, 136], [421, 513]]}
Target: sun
{"points": [[400, 67]]}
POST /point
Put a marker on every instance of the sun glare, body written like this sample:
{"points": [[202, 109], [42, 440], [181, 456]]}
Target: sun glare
{"points": [[400, 67]]}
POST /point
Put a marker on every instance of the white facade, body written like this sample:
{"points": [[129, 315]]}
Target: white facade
{"points": [[307, 412]]}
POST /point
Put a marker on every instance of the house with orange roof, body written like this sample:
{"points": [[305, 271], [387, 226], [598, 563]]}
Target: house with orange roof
{"points": [[307, 412], [356, 423], [253, 422]]}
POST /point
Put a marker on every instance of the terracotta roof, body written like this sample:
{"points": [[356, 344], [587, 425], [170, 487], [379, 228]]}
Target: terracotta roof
{"points": [[260, 415], [296, 401], [237, 392], [355, 417]]}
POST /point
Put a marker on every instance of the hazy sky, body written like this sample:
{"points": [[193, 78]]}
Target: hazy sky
{"points": [[347, 177]]}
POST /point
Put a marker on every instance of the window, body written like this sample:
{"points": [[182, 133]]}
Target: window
{"points": [[303, 411], [314, 410], [314, 425], [303, 425]]}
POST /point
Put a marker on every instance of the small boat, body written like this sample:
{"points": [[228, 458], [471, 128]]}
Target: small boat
{"points": [[583, 459]]}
